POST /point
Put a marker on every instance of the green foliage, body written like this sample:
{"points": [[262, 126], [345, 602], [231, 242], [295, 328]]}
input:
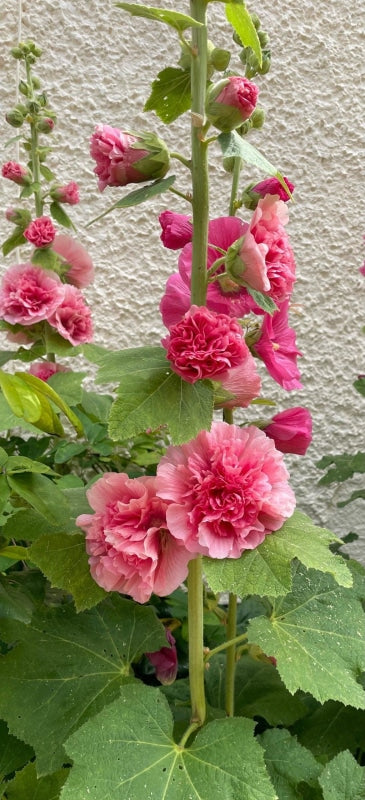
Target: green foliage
{"points": [[173, 18], [16, 239], [342, 467], [26, 785], [127, 752], [289, 764], [343, 779], [329, 728], [171, 95], [139, 196], [262, 300], [59, 214], [240, 19], [233, 146]]}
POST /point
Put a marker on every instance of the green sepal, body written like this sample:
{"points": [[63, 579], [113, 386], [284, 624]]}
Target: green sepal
{"points": [[262, 300], [171, 94], [173, 18]]}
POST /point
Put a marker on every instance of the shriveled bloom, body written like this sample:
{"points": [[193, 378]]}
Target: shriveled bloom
{"points": [[273, 186], [79, 268], [15, 172], [291, 430], [123, 158], [227, 489], [277, 348], [29, 294], [72, 317], [130, 548], [177, 230], [69, 193], [230, 102], [45, 369], [165, 661], [40, 232]]}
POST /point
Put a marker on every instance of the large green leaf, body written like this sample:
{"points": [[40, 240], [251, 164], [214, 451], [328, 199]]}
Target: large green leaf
{"points": [[266, 570], [9, 420], [42, 494], [114, 367], [259, 691], [288, 763], [330, 728], [233, 146], [138, 196], [68, 386], [316, 633], [170, 95], [13, 753], [26, 785], [341, 468], [173, 18], [343, 779], [241, 22], [44, 392], [127, 753], [63, 560], [66, 667], [20, 594]]}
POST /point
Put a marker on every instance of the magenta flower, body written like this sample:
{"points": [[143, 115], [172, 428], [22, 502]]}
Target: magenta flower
{"points": [[227, 489], [130, 548], [15, 172], [29, 294], [165, 661], [177, 230], [66, 194], [277, 348], [80, 270], [123, 158], [291, 430], [40, 232], [72, 317], [45, 369], [273, 186], [230, 102]]}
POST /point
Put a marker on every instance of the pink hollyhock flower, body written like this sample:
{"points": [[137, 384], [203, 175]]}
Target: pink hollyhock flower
{"points": [[40, 232], [130, 548], [273, 186], [66, 194], [81, 268], [15, 172], [243, 382], [165, 661], [29, 294], [277, 348], [72, 317], [227, 489], [230, 102], [223, 296], [44, 369], [123, 158], [177, 230], [362, 269], [204, 344], [291, 430]]}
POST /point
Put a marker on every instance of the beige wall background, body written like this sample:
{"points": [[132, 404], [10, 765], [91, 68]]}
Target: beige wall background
{"points": [[97, 66]]}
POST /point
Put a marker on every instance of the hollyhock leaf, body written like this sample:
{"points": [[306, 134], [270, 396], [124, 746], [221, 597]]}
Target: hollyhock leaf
{"points": [[67, 667], [340, 468], [288, 763], [116, 366], [45, 257], [63, 560], [259, 691], [68, 386], [316, 633], [139, 196], [26, 785], [262, 300], [241, 22], [331, 728], [47, 172], [15, 240], [15, 601], [359, 385], [173, 18], [343, 779], [41, 493], [266, 569], [360, 493], [127, 752], [59, 214], [171, 94], [234, 146], [13, 753], [37, 525]]}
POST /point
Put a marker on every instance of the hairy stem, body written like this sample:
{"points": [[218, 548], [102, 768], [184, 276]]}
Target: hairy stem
{"points": [[231, 655], [34, 151], [196, 655]]}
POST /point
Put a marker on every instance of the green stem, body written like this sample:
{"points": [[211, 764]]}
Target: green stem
{"points": [[231, 655], [224, 645], [187, 734], [181, 158], [34, 151], [196, 655], [180, 194], [234, 188]]}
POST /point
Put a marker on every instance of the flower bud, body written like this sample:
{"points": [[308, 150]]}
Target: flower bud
{"points": [[66, 194], [16, 172], [45, 125], [220, 59], [122, 157], [24, 88], [18, 216], [258, 118], [36, 82], [15, 118], [291, 430], [230, 102], [42, 99], [17, 52]]}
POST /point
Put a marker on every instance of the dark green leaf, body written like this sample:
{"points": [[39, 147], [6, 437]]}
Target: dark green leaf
{"points": [[18, 595], [46, 172], [171, 94], [343, 779], [26, 785], [67, 667], [359, 385], [127, 753], [173, 18], [330, 728], [262, 300], [59, 214], [233, 146], [288, 763], [15, 240], [68, 386], [240, 19], [4, 492], [359, 494], [341, 467], [13, 753], [23, 464], [42, 494], [139, 196]]}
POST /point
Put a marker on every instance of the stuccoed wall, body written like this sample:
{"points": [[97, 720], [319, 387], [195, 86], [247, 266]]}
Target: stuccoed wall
{"points": [[97, 67]]}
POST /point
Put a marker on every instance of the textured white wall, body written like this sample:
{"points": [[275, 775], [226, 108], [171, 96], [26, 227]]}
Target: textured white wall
{"points": [[97, 66]]}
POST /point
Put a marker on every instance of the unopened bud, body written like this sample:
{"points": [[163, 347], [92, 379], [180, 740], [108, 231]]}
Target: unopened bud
{"points": [[37, 51], [16, 52], [43, 153], [18, 216], [42, 99], [36, 82], [230, 102], [263, 38], [256, 20], [258, 118], [15, 118], [266, 62], [45, 125], [34, 107], [24, 88], [220, 59]]}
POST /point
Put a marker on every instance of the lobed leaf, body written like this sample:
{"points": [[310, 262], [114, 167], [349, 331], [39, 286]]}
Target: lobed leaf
{"points": [[171, 94], [343, 779], [173, 18], [234, 146], [26, 785], [13, 753], [240, 19], [288, 763]]}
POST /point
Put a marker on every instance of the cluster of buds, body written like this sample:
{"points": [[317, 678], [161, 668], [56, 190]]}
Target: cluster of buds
{"points": [[249, 58], [34, 107]]}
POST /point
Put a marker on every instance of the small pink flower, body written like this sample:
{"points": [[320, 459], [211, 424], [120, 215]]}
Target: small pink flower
{"points": [[72, 317], [29, 294], [165, 661], [204, 344], [177, 230], [227, 489], [15, 172], [130, 548], [273, 186], [277, 348], [231, 102], [243, 382], [362, 269], [66, 194], [44, 369], [41, 232], [81, 268], [291, 430], [123, 158]]}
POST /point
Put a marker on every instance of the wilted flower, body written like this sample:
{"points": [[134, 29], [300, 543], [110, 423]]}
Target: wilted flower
{"points": [[165, 661], [277, 348], [177, 230]]}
